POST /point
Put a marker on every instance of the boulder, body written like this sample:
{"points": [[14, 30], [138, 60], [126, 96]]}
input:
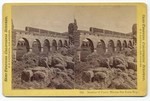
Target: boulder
{"points": [[132, 65], [133, 77], [91, 56], [39, 76], [120, 62], [127, 85], [63, 51], [121, 66], [38, 68], [99, 76], [115, 83], [131, 83], [123, 86], [42, 74], [130, 59], [26, 75], [55, 82], [54, 70], [30, 60], [104, 62], [70, 73], [69, 61], [61, 81], [87, 76], [131, 71], [43, 61], [58, 61], [60, 66], [100, 69], [64, 75]]}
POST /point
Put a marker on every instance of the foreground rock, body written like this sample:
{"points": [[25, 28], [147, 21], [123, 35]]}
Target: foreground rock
{"points": [[48, 77], [57, 60], [113, 78], [30, 60], [39, 74]]}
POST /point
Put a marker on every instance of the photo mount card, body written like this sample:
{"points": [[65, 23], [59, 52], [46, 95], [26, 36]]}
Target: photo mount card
{"points": [[74, 49]]}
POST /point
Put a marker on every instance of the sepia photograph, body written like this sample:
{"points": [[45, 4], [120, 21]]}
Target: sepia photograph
{"points": [[87, 47]]}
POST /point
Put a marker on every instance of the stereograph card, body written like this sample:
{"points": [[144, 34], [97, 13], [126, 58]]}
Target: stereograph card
{"points": [[74, 49]]}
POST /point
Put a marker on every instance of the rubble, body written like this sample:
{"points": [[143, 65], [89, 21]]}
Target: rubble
{"points": [[115, 72], [57, 71]]}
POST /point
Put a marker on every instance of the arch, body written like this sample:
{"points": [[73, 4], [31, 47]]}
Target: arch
{"points": [[60, 43], [36, 46], [111, 46], [118, 46], [91, 45], [124, 44], [101, 47], [87, 48], [22, 48], [54, 45], [26, 44], [65, 43], [46, 46], [130, 44]]}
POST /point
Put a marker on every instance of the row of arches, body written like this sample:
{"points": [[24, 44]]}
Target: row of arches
{"points": [[24, 47], [87, 47]]}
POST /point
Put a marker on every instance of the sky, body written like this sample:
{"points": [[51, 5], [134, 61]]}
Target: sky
{"points": [[56, 18]]}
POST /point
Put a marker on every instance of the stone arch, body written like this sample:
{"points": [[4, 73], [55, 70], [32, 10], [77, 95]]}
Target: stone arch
{"points": [[60, 44], [91, 45], [101, 47], [54, 45], [26, 44], [87, 48], [22, 48], [65, 43], [111, 46], [46, 46], [118, 46], [36, 46], [130, 44], [124, 44]]}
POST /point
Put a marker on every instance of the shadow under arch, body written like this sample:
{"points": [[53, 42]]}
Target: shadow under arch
{"points": [[46, 46], [118, 46], [65, 43], [36, 46], [27, 44], [101, 47], [60, 44], [87, 48], [130, 45], [91, 45], [111, 46], [22, 48], [124, 44], [54, 45]]}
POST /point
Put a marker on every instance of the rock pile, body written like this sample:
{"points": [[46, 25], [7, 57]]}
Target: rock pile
{"points": [[59, 71], [54, 71], [116, 72]]}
